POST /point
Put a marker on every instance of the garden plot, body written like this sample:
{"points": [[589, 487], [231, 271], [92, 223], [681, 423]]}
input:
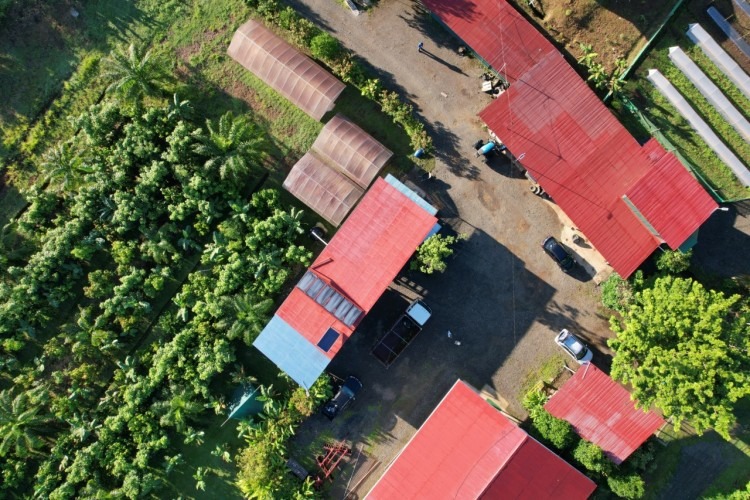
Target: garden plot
{"points": [[668, 119]]}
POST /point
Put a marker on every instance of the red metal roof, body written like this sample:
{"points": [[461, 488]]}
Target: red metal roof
{"points": [[654, 193], [601, 411], [488, 25], [466, 449], [573, 146], [361, 260]]}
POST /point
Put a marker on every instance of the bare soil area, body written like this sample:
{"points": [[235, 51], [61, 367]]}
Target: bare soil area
{"points": [[614, 28]]}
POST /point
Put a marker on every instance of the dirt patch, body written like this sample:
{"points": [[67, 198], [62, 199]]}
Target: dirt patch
{"points": [[614, 28]]}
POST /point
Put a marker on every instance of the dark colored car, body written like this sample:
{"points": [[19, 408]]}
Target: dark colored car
{"points": [[558, 253], [343, 398]]}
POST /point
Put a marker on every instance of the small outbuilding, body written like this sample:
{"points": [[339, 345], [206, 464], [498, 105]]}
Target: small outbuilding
{"points": [[602, 412], [282, 67]]}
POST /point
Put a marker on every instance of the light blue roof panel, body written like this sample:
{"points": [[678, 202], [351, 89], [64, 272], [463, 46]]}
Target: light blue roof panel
{"points": [[291, 352], [410, 194]]}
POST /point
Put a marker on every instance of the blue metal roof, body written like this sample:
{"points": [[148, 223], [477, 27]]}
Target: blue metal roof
{"points": [[291, 352], [410, 194]]}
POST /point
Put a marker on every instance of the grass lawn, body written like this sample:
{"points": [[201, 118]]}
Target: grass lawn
{"points": [[677, 129]]}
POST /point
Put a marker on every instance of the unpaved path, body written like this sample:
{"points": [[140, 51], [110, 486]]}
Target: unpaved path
{"points": [[501, 295]]}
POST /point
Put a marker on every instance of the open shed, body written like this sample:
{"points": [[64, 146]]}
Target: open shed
{"points": [[340, 166]]}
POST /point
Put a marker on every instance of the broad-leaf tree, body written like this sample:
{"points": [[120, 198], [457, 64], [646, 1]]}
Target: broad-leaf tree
{"points": [[686, 350]]}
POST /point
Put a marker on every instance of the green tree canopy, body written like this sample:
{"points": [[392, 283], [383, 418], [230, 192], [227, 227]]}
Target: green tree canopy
{"points": [[232, 146], [134, 74], [686, 350]]}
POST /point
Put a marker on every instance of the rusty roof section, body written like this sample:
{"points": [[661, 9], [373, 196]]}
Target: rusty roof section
{"points": [[337, 170], [328, 192], [288, 71]]}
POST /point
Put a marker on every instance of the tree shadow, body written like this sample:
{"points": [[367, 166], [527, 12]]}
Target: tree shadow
{"points": [[42, 43], [722, 244]]}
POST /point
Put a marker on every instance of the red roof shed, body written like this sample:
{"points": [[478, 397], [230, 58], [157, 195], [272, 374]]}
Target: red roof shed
{"points": [[466, 449], [601, 411], [627, 199]]}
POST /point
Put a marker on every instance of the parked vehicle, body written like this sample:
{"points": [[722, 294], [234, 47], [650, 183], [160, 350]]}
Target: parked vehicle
{"points": [[406, 328], [559, 254], [347, 393], [574, 347]]}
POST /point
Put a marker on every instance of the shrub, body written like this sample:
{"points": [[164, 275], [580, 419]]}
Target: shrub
{"points": [[592, 458], [325, 47], [557, 431], [432, 253], [629, 486], [616, 292], [371, 88], [674, 262]]}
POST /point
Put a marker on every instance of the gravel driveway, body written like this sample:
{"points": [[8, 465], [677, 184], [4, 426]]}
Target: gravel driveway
{"points": [[501, 296]]}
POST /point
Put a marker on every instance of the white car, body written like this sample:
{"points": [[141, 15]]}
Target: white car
{"points": [[574, 347]]}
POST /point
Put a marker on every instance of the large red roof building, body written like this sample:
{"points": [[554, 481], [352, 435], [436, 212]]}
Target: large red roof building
{"points": [[626, 198], [466, 449], [345, 281]]}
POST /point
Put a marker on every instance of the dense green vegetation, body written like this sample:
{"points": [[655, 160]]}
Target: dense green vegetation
{"points": [[154, 194]]}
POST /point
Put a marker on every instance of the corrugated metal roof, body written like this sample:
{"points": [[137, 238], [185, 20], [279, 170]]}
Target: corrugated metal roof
{"points": [[291, 352], [653, 196], [358, 264], [339, 167], [281, 66], [351, 150], [567, 139], [466, 449], [486, 25], [328, 192], [601, 411]]}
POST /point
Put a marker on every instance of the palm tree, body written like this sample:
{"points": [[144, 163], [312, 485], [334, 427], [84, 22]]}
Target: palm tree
{"points": [[232, 147], [250, 317], [63, 163], [178, 410], [22, 419], [135, 74]]}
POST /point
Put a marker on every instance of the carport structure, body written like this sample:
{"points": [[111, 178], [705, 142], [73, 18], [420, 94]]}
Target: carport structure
{"points": [[285, 69], [601, 411], [337, 170], [466, 449], [626, 198], [345, 281]]}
